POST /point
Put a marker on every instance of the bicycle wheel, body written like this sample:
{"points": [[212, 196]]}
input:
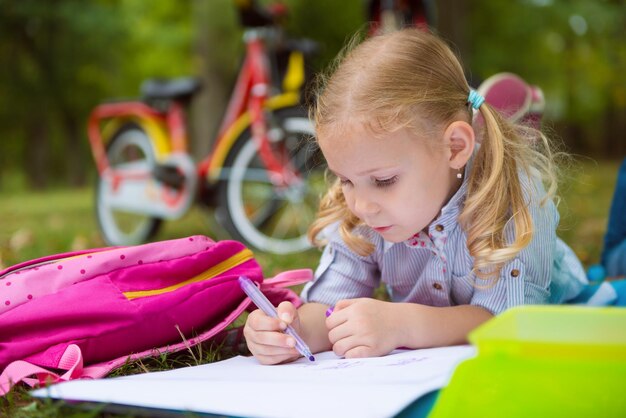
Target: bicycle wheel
{"points": [[268, 217], [129, 149]]}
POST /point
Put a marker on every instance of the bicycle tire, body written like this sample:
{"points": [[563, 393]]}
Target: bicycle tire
{"points": [[130, 139], [255, 211]]}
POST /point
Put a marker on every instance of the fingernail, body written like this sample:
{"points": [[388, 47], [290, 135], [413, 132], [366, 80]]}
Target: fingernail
{"points": [[329, 311], [285, 317]]}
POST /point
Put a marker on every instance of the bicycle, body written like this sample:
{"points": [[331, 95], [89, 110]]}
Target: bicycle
{"points": [[389, 15], [260, 175]]}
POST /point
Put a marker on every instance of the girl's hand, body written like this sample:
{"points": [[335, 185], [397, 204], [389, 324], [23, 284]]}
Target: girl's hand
{"points": [[265, 338], [363, 328]]}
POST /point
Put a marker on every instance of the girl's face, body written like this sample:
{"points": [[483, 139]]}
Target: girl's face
{"points": [[395, 182]]}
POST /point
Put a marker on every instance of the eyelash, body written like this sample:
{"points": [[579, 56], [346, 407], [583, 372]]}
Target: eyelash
{"points": [[379, 183], [386, 182]]}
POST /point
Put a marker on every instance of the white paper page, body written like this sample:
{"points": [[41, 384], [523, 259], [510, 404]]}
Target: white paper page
{"points": [[330, 387]]}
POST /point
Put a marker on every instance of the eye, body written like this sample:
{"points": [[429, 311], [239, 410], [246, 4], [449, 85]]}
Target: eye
{"points": [[386, 182], [344, 182]]}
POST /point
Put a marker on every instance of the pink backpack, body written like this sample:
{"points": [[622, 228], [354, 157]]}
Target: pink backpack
{"points": [[89, 312]]}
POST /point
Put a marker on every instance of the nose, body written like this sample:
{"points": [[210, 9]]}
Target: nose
{"points": [[364, 206]]}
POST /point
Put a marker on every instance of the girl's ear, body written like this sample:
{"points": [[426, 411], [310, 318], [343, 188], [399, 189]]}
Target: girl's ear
{"points": [[460, 139]]}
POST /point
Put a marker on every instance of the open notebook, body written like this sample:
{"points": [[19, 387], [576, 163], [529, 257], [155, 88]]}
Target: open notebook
{"points": [[329, 387]]}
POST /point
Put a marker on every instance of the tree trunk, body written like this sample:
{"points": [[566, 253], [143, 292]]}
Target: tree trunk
{"points": [[452, 25], [37, 153], [74, 151], [208, 106], [614, 137]]}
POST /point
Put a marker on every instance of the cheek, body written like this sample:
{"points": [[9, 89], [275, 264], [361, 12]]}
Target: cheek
{"points": [[413, 203], [348, 195]]}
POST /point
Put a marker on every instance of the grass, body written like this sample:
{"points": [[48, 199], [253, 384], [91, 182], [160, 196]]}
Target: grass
{"points": [[586, 195], [37, 224]]}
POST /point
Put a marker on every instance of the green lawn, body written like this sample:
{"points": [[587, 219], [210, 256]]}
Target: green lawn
{"points": [[37, 224]]}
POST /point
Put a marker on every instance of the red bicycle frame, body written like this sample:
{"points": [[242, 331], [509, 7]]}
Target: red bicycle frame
{"points": [[250, 95]]}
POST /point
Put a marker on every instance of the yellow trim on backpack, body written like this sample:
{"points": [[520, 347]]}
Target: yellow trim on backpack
{"points": [[216, 270]]}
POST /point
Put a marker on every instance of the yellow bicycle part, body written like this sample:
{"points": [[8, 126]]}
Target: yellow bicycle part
{"points": [[294, 77], [292, 83], [155, 130], [236, 129]]}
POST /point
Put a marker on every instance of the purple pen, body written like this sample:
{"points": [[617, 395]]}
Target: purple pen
{"points": [[259, 299], [329, 311]]}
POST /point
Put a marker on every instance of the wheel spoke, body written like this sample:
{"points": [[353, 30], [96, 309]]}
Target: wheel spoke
{"points": [[306, 211], [129, 152], [264, 216], [284, 222], [267, 212]]}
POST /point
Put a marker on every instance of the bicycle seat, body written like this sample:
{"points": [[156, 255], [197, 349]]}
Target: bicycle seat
{"points": [[307, 46], [180, 89]]}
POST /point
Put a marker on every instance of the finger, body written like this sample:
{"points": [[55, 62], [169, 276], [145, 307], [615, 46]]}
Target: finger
{"points": [[360, 351], [344, 303], [339, 332], [272, 350], [338, 316], [351, 347], [270, 338], [275, 359], [342, 346], [286, 312], [258, 321]]}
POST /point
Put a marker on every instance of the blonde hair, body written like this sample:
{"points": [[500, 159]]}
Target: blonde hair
{"points": [[386, 81]]}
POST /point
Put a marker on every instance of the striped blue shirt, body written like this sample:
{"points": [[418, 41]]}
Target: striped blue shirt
{"points": [[435, 268]]}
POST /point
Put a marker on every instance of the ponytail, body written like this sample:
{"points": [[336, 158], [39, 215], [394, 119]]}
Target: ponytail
{"points": [[495, 197]]}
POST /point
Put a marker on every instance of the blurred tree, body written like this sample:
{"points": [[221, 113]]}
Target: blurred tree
{"points": [[53, 69], [574, 49], [217, 48], [61, 57]]}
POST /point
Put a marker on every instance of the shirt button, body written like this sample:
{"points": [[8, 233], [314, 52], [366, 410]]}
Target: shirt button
{"points": [[514, 272], [439, 227], [437, 286]]}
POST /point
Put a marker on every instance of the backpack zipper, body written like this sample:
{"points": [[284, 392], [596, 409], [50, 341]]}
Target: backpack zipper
{"points": [[231, 262]]}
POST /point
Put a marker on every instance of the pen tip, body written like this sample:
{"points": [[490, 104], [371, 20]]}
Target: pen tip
{"points": [[311, 358]]}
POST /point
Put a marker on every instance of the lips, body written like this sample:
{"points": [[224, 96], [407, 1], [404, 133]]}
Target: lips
{"points": [[381, 228]]}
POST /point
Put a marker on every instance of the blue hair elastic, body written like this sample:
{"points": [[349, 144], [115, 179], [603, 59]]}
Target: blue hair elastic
{"points": [[475, 99]]}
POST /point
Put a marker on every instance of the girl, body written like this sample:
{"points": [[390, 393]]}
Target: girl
{"points": [[457, 232]]}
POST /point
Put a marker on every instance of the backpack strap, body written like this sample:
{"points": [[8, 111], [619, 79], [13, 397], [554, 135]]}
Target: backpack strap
{"points": [[19, 371], [289, 278], [276, 288]]}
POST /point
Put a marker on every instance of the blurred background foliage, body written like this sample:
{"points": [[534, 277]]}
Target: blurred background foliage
{"points": [[59, 58]]}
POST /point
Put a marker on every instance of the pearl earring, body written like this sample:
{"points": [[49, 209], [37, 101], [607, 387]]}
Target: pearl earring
{"points": [[459, 175]]}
